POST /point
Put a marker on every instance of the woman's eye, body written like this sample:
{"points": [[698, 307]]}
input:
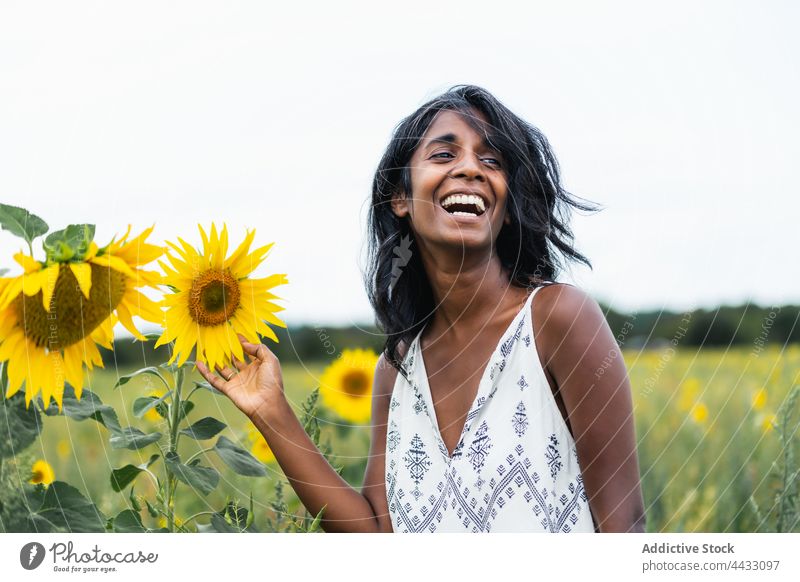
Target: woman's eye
{"points": [[493, 160]]}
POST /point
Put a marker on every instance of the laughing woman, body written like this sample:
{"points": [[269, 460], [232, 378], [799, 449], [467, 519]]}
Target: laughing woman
{"points": [[489, 410]]}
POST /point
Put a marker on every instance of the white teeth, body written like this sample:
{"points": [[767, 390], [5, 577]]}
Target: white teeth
{"points": [[464, 199], [459, 213]]}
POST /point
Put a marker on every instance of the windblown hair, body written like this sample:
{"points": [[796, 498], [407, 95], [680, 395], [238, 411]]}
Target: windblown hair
{"points": [[397, 285]]}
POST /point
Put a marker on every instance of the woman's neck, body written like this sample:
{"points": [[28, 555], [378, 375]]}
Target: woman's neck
{"points": [[467, 296]]}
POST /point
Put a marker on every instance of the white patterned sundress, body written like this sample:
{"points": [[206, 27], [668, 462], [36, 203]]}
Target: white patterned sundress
{"points": [[515, 468]]}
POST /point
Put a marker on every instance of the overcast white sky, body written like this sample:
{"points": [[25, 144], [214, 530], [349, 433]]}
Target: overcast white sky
{"points": [[681, 118]]}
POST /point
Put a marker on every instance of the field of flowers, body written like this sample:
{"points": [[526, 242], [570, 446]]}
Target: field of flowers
{"points": [[708, 447]]}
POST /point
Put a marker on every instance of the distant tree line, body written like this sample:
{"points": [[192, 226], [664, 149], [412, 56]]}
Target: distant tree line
{"points": [[744, 325]]}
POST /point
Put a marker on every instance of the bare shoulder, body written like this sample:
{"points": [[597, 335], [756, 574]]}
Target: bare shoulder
{"points": [[563, 311]]}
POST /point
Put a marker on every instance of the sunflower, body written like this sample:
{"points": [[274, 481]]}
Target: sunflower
{"points": [[42, 472], [346, 384], [260, 447], [214, 299], [53, 315]]}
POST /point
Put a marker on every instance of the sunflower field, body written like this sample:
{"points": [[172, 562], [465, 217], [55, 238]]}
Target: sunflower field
{"points": [[90, 447]]}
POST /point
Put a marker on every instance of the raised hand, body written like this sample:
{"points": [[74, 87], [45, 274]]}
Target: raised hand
{"points": [[256, 388]]}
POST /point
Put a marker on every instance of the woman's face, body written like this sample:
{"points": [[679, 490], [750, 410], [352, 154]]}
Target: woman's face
{"points": [[459, 186]]}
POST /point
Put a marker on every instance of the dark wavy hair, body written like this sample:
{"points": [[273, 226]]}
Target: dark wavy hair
{"points": [[397, 285]]}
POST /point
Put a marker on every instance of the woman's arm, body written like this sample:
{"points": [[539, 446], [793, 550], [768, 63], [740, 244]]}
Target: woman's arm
{"points": [[257, 390], [579, 344]]}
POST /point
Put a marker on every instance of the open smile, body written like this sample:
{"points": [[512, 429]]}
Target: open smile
{"points": [[464, 206]]}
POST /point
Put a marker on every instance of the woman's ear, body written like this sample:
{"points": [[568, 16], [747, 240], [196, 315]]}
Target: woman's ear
{"points": [[399, 204]]}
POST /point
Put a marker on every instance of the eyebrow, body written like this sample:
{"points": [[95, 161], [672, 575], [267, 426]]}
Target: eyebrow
{"points": [[451, 138]]}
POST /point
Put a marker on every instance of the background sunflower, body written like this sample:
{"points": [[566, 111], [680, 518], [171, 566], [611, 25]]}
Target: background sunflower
{"points": [[214, 298], [346, 385]]}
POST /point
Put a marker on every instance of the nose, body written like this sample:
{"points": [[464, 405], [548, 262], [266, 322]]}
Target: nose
{"points": [[469, 167]]}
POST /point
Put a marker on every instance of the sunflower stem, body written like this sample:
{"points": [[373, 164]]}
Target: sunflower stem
{"points": [[172, 481]]}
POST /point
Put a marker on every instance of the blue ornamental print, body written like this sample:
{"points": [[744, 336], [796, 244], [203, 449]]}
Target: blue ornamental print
{"points": [[394, 437], [520, 420], [480, 446], [553, 456], [419, 403], [417, 462]]}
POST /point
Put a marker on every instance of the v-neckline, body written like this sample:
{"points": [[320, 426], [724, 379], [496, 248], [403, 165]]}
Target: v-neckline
{"points": [[477, 402]]}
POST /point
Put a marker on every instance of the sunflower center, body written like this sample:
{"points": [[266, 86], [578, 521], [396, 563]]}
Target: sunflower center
{"points": [[72, 317], [214, 297], [355, 383], [37, 477]]}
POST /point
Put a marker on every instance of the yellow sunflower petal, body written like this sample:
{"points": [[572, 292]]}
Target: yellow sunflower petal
{"points": [[12, 289], [115, 263], [83, 273], [73, 368], [27, 262], [240, 251], [248, 263], [32, 282]]}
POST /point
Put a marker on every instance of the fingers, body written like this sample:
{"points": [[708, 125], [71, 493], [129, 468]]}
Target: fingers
{"points": [[239, 364], [226, 372], [259, 351], [212, 379]]}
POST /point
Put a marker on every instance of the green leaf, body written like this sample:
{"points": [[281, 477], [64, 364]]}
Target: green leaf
{"points": [[21, 223], [186, 407], [128, 521], [204, 429], [219, 525], [315, 524], [174, 367], [19, 427], [239, 459], [89, 406], [152, 370], [124, 476], [71, 243], [142, 405], [134, 501], [232, 519], [203, 479], [206, 386], [251, 515], [133, 439], [65, 508], [3, 272]]}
